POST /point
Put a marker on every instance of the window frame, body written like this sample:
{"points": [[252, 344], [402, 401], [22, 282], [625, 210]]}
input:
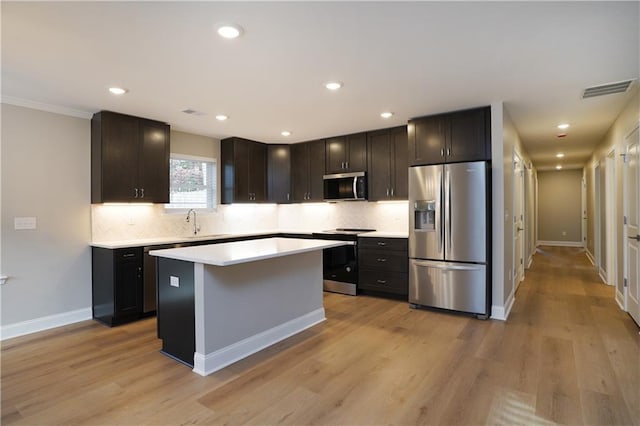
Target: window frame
{"points": [[184, 210]]}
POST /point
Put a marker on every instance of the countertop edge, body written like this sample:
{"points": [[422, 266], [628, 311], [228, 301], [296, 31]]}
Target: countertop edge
{"points": [[175, 253]]}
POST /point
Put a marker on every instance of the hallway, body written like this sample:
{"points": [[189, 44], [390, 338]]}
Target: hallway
{"points": [[585, 347], [566, 355]]}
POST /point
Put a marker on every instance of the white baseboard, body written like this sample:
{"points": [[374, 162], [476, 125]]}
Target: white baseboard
{"points": [[44, 323], [502, 312], [561, 243], [590, 257], [603, 276], [210, 363]]}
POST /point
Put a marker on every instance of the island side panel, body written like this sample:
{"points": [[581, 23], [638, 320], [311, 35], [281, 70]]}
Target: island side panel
{"points": [[250, 306], [176, 310]]}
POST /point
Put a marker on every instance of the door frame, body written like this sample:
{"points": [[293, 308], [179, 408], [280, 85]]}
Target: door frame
{"points": [[611, 217], [518, 186], [583, 199], [597, 218]]}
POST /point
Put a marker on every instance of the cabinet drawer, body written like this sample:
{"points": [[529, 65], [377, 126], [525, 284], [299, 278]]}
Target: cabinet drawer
{"points": [[384, 260], [384, 243], [387, 282]]}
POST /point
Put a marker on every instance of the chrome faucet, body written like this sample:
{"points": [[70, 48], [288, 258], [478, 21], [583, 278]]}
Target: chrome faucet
{"points": [[196, 228]]}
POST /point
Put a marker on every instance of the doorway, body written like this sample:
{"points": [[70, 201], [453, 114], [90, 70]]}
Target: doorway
{"points": [[630, 291], [518, 219], [610, 218]]}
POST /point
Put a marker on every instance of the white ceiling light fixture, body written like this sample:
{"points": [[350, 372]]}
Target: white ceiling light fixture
{"points": [[229, 31], [222, 117], [558, 167], [285, 133], [560, 155], [386, 114], [563, 126], [117, 90], [333, 85]]}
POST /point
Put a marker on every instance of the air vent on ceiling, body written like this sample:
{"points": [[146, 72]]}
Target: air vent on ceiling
{"points": [[607, 89], [192, 112]]}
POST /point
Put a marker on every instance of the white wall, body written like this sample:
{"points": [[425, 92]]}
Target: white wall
{"points": [[505, 141], [46, 175], [560, 207], [614, 139]]}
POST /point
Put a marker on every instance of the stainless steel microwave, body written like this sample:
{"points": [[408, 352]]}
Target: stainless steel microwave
{"points": [[345, 187]]}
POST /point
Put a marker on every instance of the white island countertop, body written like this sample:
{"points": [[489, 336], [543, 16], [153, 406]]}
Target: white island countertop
{"points": [[233, 253]]}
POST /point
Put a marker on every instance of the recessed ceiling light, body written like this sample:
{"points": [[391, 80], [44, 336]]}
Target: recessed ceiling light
{"points": [[560, 155], [229, 31], [386, 114], [118, 90], [221, 117], [558, 167], [333, 85], [285, 133], [563, 126]]}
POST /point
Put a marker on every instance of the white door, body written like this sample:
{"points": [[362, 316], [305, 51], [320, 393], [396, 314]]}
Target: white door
{"points": [[518, 219], [632, 230]]}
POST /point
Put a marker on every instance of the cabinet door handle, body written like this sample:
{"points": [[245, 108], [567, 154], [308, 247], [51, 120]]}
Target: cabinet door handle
{"points": [[347, 165], [382, 244], [135, 195], [442, 152], [381, 259], [392, 192], [387, 192], [288, 197], [448, 151], [381, 281], [141, 192], [129, 255]]}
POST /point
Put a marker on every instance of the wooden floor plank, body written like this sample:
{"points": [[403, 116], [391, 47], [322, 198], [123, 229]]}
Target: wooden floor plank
{"points": [[567, 355]]}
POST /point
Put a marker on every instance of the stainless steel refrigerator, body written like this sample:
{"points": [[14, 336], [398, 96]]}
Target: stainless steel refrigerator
{"points": [[449, 235]]}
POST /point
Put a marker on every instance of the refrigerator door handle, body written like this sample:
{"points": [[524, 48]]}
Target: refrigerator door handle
{"points": [[448, 266], [439, 227], [447, 191]]}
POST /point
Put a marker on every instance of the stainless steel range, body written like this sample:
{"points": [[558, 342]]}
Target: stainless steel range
{"points": [[340, 264]]}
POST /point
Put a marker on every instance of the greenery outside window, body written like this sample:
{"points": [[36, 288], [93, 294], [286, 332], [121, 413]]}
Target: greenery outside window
{"points": [[192, 182]]}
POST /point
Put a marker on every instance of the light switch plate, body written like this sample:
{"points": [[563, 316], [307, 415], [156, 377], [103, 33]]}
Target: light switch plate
{"points": [[20, 223], [174, 281]]}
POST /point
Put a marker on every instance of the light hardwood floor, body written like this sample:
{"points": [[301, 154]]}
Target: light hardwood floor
{"points": [[566, 355]]}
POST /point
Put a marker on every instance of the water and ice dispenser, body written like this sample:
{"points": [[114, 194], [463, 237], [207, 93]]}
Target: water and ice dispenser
{"points": [[424, 215]]}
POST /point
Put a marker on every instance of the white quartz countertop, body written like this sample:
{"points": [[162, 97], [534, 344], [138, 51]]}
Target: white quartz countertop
{"points": [[175, 240], [383, 234], [233, 253]]}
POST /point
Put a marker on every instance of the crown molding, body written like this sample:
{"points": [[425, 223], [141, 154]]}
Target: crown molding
{"points": [[57, 109]]}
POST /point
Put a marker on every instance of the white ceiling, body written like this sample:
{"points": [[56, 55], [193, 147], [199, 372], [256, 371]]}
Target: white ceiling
{"points": [[414, 58]]}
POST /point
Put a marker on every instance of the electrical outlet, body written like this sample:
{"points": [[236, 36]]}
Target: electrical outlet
{"points": [[564, 233], [174, 281], [20, 223]]}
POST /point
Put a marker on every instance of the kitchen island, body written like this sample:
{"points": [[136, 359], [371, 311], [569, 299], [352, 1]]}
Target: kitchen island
{"points": [[220, 303]]}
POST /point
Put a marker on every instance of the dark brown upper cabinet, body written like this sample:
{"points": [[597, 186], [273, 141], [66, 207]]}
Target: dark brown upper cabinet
{"points": [[279, 173], [346, 153], [388, 164], [129, 159], [244, 171], [453, 137], [307, 169]]}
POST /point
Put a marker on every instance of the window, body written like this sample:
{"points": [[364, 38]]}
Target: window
{"points": [[192, 182]]}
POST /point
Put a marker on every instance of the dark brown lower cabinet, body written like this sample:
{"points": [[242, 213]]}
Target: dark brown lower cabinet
{"points": [[383, 265], [117, 284]]}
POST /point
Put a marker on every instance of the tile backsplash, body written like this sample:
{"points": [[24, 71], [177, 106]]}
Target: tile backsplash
{"points": [[127, 222]]}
